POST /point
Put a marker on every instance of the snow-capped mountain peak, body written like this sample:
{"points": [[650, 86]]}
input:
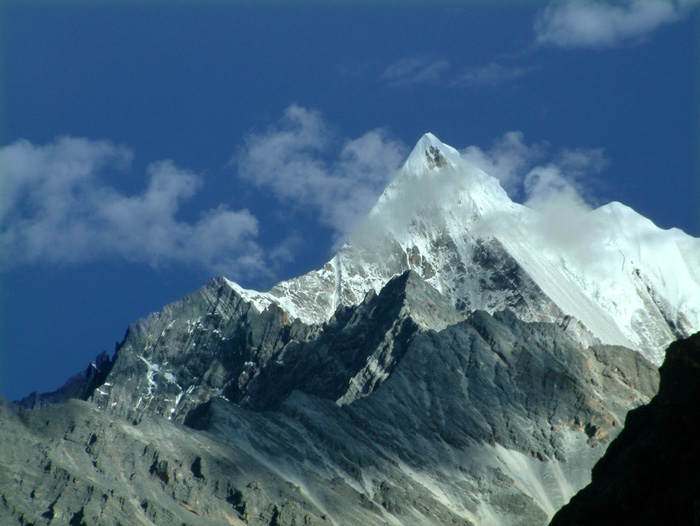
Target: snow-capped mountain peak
{"points": [[608, 274], [430, 154], [525, 406]]}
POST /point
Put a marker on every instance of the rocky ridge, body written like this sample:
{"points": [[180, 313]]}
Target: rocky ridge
{"points": [[371, 418], [649, 474]]}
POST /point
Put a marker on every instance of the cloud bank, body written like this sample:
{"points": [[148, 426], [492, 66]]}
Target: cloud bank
{"points": [[57, 208], [307, 165], [593, 24]]}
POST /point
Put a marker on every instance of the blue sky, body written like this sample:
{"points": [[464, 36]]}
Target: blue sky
{"points": [[149, 147]]}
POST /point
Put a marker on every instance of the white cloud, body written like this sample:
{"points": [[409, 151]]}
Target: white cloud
{"points": [[593, 24], [543, 183], [569, 175], [561, 192], [532, 174], [558, 185], [305, 164], [57, 208], [436, 71], [506, 160]]}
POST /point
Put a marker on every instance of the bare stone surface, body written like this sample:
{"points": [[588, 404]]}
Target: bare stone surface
{"points": [[212, 412], [649, 474]]}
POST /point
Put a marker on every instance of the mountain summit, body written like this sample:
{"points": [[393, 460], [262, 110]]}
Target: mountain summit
{"points": [[607, 274], [430, 154]]}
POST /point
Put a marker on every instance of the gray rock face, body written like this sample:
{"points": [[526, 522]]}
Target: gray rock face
{"points": [[78, 386], [212, 343], [400, 410], [649, 474]]}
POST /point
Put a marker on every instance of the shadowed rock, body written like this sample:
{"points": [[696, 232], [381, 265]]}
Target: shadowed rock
{"points": [[649, 474]]}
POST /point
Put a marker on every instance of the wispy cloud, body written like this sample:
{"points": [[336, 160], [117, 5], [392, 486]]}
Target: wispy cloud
{"points": [[508, 159], [560, 185], [306, 164], [533, 174], [492, 74], [439, 72], [593, 24], [57, 208], [570, 174], [416, 70]]}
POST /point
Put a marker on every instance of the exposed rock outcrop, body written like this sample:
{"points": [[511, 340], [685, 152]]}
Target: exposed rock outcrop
{"points": [[649, 474], [216, 413]]}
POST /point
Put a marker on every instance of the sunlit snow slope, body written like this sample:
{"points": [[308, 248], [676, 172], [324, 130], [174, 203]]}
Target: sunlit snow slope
{"points": [[607, 273]]}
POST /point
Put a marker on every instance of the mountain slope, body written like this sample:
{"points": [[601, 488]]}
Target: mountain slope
{"points": [[649, 474], [371, 418]]}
